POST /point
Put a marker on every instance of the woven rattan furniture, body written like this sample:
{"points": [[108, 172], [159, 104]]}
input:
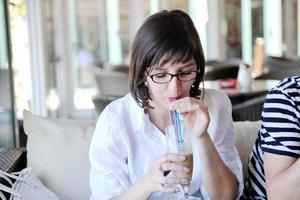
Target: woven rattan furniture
{"points": [[101, 101], [280, 73], [12, 159], [249, 110]]}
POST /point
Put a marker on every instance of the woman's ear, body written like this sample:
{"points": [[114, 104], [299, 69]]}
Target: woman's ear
{"points": [[146, 90]]}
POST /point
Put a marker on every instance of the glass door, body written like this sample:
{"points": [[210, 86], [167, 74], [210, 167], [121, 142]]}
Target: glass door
{"points": [[7, 115]]}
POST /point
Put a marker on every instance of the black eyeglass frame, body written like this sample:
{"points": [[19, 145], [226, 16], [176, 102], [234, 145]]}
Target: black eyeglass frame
{"points": [[174, 75]]}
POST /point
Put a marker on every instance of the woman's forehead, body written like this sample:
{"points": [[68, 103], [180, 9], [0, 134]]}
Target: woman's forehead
{"points": [[163, 64]]}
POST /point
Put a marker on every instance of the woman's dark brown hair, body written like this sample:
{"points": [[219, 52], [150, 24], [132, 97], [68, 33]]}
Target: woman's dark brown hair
{"points": [[165, 36]]}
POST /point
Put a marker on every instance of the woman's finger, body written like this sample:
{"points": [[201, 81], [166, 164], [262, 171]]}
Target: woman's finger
{"points": [[180, 103], [187, 105], [175, 167], [188, 108], [169, 157], [173, 180], [169, 189]]}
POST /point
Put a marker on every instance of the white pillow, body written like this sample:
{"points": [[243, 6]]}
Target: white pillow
{"points": [[245, 135], [57, 151]]}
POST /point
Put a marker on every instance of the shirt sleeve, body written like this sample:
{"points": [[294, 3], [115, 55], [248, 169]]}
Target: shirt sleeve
{"points": [[222, 136], [108, 159], [280, 130]]}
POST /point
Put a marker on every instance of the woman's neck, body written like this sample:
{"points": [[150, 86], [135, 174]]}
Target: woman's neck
{"points": [[160, 118]]}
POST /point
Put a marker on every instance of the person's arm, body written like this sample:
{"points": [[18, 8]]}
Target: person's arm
{"points": [[282, 175], [219, 181], [218, 149], [280, 145]]}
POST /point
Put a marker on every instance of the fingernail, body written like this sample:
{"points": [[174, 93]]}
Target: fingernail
{"points": [[181, 117], [186, 169]]}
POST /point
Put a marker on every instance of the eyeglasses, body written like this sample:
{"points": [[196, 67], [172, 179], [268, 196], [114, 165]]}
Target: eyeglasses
{"points": [[167, 77]]}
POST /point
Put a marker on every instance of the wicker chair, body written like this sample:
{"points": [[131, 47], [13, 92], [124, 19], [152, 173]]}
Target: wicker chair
{"points": [[101, 101], [249, 110], [280, 68], [112, 82], [273, 62], [280, 73], [243, 97], [12, 159]]}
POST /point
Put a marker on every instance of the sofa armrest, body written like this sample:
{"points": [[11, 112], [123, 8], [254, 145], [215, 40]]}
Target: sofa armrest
{"points": [[245, 135], [12, 159]]}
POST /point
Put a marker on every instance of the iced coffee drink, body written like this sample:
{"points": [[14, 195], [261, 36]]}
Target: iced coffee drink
{"points": [[186, 150]]}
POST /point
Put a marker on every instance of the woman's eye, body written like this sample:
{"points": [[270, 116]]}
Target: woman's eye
{"points": [[185, 73], [160, 75]]}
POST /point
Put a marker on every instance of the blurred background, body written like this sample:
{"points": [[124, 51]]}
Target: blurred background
{"points": [[69, 58]]}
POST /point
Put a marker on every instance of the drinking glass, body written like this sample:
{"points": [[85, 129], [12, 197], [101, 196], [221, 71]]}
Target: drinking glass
{"points": [[179, 141], [185, 149]]}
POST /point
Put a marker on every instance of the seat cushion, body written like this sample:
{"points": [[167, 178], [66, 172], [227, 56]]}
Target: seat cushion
{"points": [[245, 136], [57, 151]]}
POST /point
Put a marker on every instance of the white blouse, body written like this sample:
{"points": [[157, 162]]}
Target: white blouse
{"points": [[126, 143]]}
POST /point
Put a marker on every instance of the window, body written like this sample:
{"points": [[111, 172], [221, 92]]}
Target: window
{"points": [[83, 36], [233, 36], [7, 115], [20, 51], [95, 34]]}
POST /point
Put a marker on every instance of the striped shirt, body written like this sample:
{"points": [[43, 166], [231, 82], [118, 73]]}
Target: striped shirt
{"points": [[279, 133]]}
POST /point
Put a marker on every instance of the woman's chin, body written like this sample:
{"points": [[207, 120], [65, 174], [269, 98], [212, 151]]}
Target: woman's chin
{"points": [[162, 107]]}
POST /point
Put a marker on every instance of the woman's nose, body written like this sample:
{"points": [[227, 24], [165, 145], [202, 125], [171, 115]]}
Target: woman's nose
{"points": [[175, 84]]}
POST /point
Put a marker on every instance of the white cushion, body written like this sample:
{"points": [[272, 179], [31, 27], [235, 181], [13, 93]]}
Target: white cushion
{"points": [[245, 135], [57, 151]]}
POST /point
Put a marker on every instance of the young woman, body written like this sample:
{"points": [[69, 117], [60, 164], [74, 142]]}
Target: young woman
{"points": [[128, 153]]}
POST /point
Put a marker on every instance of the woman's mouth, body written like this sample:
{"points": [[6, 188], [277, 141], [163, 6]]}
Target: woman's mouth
{"points": [[171, 99]]}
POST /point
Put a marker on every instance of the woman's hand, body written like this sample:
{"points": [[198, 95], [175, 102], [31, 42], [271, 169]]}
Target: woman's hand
{"points": [[194, 114], [157, 179]]}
